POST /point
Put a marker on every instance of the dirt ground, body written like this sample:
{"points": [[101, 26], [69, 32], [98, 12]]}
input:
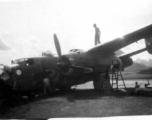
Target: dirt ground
{"points": [[83, 103]]}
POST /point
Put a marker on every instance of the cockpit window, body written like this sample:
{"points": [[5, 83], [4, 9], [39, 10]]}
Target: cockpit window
{"points": [[23, 61], [30, 62], [77, 51], [18, 61]]}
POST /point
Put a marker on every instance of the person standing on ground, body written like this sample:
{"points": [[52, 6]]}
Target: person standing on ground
{"points": [[97, 34]]}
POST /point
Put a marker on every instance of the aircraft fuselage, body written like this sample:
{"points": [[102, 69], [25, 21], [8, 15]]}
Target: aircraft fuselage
{"points": [[99, 64]]}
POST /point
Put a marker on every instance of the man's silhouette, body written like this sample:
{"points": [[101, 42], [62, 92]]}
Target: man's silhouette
{"points": [[97, 34]]}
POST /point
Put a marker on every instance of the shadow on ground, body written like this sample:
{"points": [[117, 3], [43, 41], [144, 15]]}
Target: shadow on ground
{"points": [[72, 96], [88, 94], [85, 94]]}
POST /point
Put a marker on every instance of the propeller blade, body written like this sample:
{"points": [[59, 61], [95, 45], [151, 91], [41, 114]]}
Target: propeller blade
{"points": [[57, 45]]}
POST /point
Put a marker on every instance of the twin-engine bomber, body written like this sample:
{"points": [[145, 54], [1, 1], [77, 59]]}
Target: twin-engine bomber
{"points": [[28, 75]]}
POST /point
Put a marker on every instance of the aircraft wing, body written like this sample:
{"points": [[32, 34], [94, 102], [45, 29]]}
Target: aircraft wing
{"points": [[133, 53], [127, 61], [119, 52], [118, 43]]}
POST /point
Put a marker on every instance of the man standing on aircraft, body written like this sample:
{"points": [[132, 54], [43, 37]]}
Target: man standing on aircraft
{"points": [[97, 34]]}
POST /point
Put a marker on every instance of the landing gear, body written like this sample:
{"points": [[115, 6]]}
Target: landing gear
{"points": [[101, 84]]}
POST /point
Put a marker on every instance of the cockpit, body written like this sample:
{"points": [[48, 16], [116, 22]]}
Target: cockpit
{"points": [[24, 61], [76, 51]]}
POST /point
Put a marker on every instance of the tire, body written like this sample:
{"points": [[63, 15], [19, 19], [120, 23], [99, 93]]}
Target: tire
{"points": [[102, 85], [106, 85]]}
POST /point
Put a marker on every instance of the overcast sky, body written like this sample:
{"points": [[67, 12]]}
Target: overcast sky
{"points": [[27, 26]]}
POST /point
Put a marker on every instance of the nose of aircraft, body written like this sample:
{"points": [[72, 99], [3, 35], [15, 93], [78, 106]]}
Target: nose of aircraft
{"points": [[5, 72], [8, 68]]}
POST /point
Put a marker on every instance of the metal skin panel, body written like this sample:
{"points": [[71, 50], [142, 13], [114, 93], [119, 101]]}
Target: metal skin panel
{"points": [[99, 62]]}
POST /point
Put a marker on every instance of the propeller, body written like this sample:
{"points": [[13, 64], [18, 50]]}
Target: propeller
{"points": [[64, 62], [57, 45]]}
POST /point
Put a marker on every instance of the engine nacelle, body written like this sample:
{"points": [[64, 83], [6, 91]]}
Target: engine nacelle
{"points": [[126, 61], [148, 42]]}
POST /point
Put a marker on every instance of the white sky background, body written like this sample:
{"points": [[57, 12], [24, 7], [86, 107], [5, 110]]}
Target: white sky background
{"points": [[28, 25]]}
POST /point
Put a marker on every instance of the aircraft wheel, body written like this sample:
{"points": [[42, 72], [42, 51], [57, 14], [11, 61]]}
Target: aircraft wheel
{"points": [[105, 85], [102, 85], [96, 84]]}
